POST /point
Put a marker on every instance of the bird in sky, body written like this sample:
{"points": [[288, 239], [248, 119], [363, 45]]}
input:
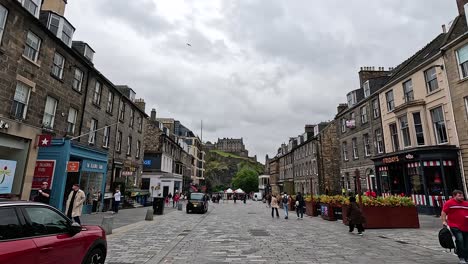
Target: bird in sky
{"points": [[188, 44]]}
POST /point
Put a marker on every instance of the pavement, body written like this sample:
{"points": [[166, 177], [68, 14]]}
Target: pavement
{"points": [[238, 233], [123, 218]]}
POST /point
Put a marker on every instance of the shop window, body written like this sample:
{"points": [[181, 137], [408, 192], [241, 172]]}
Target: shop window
{"points": [[385, 181], [91, 184], [416, 180], [433, 176]]}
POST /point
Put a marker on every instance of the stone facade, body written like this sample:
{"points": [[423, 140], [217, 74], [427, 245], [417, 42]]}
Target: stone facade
{"points": [[328, 158], [360, 132], [458, 84], [230, 145]]}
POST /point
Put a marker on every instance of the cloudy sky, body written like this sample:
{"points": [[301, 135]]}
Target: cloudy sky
{"points": [[257, 69]]}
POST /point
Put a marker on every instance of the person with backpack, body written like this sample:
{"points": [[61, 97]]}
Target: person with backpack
{"points": [[300, 203], [355, 216], [285, 202], [454, 215]]}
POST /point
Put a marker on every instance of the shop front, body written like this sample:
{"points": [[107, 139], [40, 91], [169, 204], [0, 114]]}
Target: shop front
{"points": [[73, 163], [426, 175]]}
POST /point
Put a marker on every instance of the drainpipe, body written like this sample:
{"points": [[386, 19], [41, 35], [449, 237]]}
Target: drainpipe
{"points": [[84, 103], [460, 159]]}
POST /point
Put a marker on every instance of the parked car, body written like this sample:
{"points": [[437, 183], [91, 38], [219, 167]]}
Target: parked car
{"points": [[197, 202], [36, 233]]}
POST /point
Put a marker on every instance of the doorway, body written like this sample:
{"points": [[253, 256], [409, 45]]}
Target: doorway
{"points": [[72, 178], [165, 191]]}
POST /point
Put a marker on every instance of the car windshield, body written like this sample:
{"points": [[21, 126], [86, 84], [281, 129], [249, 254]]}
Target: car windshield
{"points": [[196, 196]]}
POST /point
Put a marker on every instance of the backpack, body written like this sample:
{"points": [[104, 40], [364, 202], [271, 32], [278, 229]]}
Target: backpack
{"points": [[285, 200], [445, 238]]}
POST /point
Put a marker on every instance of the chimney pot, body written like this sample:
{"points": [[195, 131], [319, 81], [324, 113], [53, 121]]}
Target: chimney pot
{"points": [[444, 29], [153, 114]]}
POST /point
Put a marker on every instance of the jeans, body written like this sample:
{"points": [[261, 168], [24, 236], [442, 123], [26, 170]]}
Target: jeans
{"points": [[273, 210], [300, 210], [285, 207], [360, 228], [461, 239], [116, 206]]}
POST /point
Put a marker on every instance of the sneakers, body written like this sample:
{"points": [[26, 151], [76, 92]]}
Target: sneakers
{"points": [[359, 234], [462, 261], [285, 217]]}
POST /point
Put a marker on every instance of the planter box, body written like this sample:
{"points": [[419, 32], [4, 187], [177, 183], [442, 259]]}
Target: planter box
{"points": [[337, 212], [309, 208], [327, 212], [387, 217]]}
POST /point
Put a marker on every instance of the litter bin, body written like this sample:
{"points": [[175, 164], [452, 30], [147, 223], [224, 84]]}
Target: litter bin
{"points": [[179, 207], [158, 206]]}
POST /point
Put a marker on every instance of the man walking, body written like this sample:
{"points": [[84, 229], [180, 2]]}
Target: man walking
{"points": [[274, 206], [454, 215], [75, 202], [285, 202], [117, 198], [43, 195], [300, 203]]}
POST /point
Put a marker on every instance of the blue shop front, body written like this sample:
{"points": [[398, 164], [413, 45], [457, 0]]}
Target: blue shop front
{"points": [[76, 163]]}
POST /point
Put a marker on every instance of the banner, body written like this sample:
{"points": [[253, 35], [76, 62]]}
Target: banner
{"points": [[7, 175], [44, 172]]}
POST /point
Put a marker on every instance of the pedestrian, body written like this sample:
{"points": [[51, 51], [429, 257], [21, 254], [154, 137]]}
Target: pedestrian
{"points": [[355, 216], [117, 198], [245, 198], [96, 199], [269, 199], [285, 202], [176, 200], [274, 206], [300, 203], [454, 215], [75, 202], [170, 198], [235, 198], [43, 195], [166, 200]]}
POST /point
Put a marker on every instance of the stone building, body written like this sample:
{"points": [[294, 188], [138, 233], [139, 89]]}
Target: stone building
{"points": [[328, 158], [305, 163], [166, 161], [54, 92], [273, 171], [455, 55], [361, 131], [421, 157]]}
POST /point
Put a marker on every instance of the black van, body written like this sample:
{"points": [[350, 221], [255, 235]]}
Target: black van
{"points": [[197, 202]]}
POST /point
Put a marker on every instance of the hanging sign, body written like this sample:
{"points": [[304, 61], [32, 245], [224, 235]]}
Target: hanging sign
{"points": [[73, 166], [43, 172]]}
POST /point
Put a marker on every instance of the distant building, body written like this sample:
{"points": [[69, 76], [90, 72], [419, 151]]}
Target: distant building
{"points": [[229, 145]]}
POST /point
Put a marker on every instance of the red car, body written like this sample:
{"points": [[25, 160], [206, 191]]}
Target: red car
{"points": [[35, 233]]}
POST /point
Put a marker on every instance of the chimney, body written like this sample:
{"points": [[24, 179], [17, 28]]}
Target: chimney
{"points": [[461, 6], [57, 6], [444, 29], [367, 73], [153, 114], [341, 107], [140, 103]]}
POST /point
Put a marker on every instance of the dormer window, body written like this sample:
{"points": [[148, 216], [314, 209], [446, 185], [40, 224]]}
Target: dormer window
{"points": [[59, 26], [32, 6], [351, 98], [366, 89], [88, 53]]}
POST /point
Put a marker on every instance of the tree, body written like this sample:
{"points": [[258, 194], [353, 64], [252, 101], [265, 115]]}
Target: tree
{"points": [[246, 179]]}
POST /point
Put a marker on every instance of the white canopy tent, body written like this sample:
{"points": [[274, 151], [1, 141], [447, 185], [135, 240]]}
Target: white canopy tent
{"points": [[239, 191], [228, 191]]}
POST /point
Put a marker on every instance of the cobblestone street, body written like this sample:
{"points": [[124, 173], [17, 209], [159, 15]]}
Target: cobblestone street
{"points": [[238, 233]]}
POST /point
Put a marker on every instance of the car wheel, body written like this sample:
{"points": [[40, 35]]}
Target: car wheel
{"points": [[95, 256]]}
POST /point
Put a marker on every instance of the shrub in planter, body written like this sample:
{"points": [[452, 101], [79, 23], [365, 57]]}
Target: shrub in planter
{"points": [[389, 212]]}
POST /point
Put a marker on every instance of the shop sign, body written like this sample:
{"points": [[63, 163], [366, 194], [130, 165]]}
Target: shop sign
{"points": [[73, 166], [127, 173], [147, 162], [409, 157], [93, 166], [7, 175], [45, 140], [390, 160], [43, 172]]}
